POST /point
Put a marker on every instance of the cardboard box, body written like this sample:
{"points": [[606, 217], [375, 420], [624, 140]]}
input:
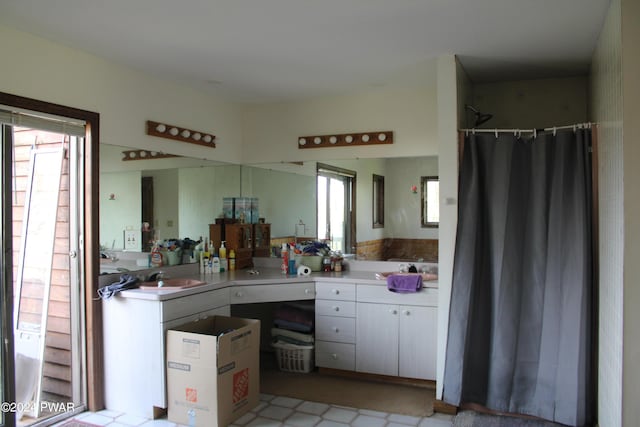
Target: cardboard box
{"points": [[213, 378]]}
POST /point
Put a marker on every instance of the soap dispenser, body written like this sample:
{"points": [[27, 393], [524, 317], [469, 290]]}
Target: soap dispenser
{"points": [[222, 253]]}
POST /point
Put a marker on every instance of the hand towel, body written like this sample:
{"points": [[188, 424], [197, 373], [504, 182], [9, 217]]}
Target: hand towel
{"points": [[127, 281], [404, 282]]}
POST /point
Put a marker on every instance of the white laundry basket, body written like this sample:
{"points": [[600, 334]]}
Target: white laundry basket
{"points": [[294, 358]]}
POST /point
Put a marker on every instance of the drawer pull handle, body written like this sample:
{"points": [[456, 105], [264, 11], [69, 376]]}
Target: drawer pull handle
{"points": [[334, 356], [336, 330], [393, 311], [335, 291], [406, 312], [238, 294], [336, 308], [308, 291]]}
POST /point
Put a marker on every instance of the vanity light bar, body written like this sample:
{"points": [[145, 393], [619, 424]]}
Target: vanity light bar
{"points": [[164, 130], [144, 155], [346, 139]]}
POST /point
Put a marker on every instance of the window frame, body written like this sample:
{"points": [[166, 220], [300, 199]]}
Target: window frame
{"points": [[377, 214], [424, 197]]}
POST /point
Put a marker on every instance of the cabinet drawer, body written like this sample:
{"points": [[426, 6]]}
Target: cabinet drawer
{"points": [[380, 294], [196, 303], [335, 308], [336, 355], [271, 293], [336, 291], [338, 329]]}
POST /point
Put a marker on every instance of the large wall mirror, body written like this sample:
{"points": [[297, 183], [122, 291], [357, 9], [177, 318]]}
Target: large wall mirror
{"points": [[188, 195]]}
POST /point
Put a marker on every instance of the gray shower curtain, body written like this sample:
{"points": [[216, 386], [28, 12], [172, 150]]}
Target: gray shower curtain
{"points": [[520, 318]]}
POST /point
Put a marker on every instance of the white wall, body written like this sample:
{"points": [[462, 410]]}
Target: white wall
{"points": [[122, 212], [201, 193], [448, 114], [402, 206], [606, 108], [125, 98], [271, 131], [630, 13], [284, 199], [529, 104]]}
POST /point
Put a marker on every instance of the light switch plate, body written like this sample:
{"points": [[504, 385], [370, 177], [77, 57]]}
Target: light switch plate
{"points": [[132, 240]]}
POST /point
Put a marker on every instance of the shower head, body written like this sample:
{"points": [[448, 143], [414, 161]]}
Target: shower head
{"points": [[480, 117]]}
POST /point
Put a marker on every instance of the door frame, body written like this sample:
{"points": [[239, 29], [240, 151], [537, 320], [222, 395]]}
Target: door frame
{"points": [[90, 236]]}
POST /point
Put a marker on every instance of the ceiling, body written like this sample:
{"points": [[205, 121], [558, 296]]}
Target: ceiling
{"points": [[278, 50]]}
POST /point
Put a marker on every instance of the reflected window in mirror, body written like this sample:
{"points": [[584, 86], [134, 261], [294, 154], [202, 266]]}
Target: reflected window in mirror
{"points": [[378, 201], [336, 206], [430, 186]]}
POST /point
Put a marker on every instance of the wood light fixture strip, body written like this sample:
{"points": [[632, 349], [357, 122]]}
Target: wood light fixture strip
{"points": [[178, 133], [129, 155], [346, 139]]}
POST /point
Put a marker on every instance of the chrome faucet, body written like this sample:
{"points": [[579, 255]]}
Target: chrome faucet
{"points": [[158, 275]]}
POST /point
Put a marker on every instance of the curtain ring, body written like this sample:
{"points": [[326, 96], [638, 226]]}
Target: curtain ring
{"points": [[535, 133], [554, 131], [496, 133]]}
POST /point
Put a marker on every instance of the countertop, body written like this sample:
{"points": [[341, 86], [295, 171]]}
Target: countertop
{"points": [[266, 276]]}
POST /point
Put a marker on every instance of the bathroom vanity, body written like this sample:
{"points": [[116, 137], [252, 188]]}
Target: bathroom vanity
{"points": [[360, 326]]}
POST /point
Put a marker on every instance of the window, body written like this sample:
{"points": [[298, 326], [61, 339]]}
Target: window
{"points": [[336, 207], [378, 201], [430, 186]]}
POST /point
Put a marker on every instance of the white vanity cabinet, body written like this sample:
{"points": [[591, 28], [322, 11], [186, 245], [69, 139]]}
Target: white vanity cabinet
{"points": [[396, 333], [291, 291], [335, 325], [134, 345]]}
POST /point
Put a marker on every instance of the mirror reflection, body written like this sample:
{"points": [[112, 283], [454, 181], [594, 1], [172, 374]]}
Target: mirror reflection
{"points": [[177, 198]]}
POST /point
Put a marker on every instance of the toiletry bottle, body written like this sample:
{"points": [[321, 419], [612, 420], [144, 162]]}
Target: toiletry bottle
{"points": [[232, 260], [215, 265], [222, 253], [156, 255], [292, 261], [285, 259]]}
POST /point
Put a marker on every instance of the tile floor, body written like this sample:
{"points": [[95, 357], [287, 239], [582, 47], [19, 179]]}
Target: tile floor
{"points": [[278, 411]]}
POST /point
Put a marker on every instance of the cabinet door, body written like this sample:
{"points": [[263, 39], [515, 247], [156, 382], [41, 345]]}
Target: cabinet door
{"points": [[262, 240], [417, 349], [377, 338]]}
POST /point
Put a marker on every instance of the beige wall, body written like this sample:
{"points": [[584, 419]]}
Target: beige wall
{"points": [[124, 97], [606, 109], [271, 131], [631, 131]]}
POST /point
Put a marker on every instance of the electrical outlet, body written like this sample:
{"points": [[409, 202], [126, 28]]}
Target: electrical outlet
{"points": [[131, 240]]}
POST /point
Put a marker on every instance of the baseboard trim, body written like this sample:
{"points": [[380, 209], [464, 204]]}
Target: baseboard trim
{"points": [[376, 377], [444, 408]]}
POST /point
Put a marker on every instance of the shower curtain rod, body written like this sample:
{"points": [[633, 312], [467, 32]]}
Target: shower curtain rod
{"points": [[517, 131]]}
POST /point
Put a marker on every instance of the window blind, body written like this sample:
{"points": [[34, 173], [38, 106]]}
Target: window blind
{"points": [[47, 123]]}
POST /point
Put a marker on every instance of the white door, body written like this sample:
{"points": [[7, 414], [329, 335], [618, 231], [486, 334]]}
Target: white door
{"points": [[377, 339], [417, 350]]}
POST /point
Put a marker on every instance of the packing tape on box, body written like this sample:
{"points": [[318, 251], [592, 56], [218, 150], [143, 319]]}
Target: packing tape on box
{"points": [[303, 270]]}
